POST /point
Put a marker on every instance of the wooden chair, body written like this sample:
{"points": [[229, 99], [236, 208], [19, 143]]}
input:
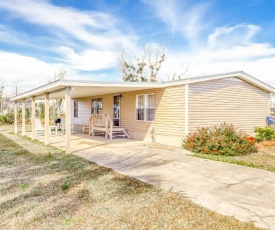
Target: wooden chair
{"points": [[86, 129]]}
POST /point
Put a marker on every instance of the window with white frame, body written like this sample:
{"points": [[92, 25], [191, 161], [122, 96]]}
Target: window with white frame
{"points": [[96, 106], [145, 107]]}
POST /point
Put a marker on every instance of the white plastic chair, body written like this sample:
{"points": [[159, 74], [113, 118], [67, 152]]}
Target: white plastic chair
{"points": [[40, 128]]}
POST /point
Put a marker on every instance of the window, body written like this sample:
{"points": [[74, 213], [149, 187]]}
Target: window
{"points": [[75, 108], [96, 106], [145, 107]]}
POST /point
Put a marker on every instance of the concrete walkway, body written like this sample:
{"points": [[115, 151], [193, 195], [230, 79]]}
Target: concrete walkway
{"points": [[247, 194]]}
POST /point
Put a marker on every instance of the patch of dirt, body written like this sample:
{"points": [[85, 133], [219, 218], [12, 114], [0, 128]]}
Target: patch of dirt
{"points": [[265, 144]]}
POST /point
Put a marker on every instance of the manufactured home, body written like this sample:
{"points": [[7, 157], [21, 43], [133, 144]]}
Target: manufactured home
{"points": [[156, 112]]}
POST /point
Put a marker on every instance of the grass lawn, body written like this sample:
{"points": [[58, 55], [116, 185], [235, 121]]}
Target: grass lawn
{"points": [[42, 188], [263, 159]]}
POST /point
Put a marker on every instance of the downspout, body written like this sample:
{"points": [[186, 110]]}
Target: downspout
{"points": [[186, 129]]}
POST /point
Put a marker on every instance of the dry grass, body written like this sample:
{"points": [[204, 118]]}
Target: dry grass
{"points": [[41, 188], [263, 159]]}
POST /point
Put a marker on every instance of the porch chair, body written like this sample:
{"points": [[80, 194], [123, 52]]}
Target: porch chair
{"points": [[40, 128], [270, 121], [86, 128]]}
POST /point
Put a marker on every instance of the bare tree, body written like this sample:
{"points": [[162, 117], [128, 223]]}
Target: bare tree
{"points": [[60, 74], [177, 76], [143, 67]]}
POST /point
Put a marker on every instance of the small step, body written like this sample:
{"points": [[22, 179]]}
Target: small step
{"points": [[119, 135]]}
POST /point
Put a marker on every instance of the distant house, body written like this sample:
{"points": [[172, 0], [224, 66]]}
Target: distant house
{"points": [[161, 112]]}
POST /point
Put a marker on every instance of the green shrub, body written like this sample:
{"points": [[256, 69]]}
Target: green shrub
{"points": [[24, 186], [223, 139], [266, 133], [65, 186], [6, 119]]}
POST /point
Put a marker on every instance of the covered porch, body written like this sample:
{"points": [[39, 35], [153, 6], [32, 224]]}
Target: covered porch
{"points": [[70, 90], [81, 143]]}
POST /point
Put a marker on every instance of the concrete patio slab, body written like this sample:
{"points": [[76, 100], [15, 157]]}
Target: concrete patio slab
{"points": [[247, 194]]}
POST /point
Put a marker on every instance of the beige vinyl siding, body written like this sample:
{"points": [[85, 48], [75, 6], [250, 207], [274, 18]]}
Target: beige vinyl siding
{"points": [[227, 100], [168, 127], [137, 129]]}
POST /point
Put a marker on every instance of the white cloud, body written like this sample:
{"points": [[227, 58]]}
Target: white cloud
{"points": [[27, 72], [181, 16], [94, 28], [89, 59], [9, 36], [88, 38], [234, 35], [228, 49], [205, 62], [24, 72]]}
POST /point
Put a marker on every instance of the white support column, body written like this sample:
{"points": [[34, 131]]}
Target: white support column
{"points": [[68, 119], [15, 117], [47, 119], [186, 109], [33, 117], [106, 126], [23, 117]]}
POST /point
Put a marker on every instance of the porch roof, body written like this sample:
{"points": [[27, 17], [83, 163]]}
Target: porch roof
{"points": [[81, 89]]}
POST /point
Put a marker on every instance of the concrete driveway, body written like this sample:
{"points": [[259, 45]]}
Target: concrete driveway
{"points": [[247, 194]]}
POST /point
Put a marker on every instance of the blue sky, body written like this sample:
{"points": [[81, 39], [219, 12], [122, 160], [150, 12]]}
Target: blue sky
{"points": [[38, 37]]}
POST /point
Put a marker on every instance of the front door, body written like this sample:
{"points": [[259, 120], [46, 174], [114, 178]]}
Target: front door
{"points": [[116, 110]]}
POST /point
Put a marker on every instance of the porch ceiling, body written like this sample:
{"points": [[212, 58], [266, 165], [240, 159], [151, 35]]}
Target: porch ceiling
{"points": [[89, 91], [82, 89]]}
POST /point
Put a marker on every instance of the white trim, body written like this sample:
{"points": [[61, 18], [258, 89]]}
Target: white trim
{"points": [[186, 128], [240, 74], [119, 110], [59, 85]]}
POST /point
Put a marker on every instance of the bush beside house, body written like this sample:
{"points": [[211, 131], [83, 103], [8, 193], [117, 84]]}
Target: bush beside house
{"points": [[264, 134], [223, 139]]}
